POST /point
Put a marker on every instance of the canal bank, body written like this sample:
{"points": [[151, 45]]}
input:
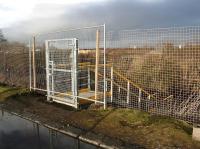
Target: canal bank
{"points": [[19, 133], [122, 128]]}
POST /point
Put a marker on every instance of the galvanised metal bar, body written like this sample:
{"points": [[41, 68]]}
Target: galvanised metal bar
{"points": [[104, 61], [30, 67], [111, 87], [75, 70], [47, 70], [73, 29]]}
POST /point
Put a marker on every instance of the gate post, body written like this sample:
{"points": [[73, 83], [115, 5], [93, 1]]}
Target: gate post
{"points": [[47, 69], [30, 67], [75, 71], [33, 61], [111, 84], [97, 65], [104, 63]]}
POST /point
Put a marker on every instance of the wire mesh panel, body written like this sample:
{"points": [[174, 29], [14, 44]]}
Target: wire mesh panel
{"points": [[14, 60], [91, 82], [157, 70], [61, 70]]}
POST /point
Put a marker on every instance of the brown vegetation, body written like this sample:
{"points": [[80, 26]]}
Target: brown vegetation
{"points": [[14, 64]]}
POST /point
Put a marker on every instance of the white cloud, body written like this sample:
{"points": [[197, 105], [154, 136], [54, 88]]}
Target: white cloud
{"points": [[13, 11], [47, 15]]}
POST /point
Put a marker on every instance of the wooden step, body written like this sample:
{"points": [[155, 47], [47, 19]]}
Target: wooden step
{"points": [[86, 93]]}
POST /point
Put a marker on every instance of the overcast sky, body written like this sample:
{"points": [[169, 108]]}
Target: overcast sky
{"points": [[21, 18]]}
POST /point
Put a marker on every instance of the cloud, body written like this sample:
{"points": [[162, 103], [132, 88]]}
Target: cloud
{"points": [[21, 10], [117, 14]]}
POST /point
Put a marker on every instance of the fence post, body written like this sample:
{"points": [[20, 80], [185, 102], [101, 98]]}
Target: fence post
{"points": [[149, 98], [5, 66], [30, 67], [75, 74], [171, 109], [33, 61], [47, 70], [128, 91], [139, 98], [89, 86], [104, 63], [111, 85], [106, 85], [97, 65], [52, 77]]}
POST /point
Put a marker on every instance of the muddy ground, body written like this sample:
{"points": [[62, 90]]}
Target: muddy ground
{"points": [[124, 128]]}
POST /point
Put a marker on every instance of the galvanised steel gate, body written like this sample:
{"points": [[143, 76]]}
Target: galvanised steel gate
{"points": [[72, 72], [61, 71]]}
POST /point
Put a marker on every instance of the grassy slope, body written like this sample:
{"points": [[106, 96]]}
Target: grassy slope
{"points": [[6, 92], [128, 125], [150, 131]]}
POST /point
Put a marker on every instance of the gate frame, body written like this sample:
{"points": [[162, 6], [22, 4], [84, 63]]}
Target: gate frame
{"points": [[32, 70], [73, 74]]}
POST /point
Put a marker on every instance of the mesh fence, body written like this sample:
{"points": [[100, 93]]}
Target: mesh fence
{"points": [[86, 62], [14, 68], [155, 70]]}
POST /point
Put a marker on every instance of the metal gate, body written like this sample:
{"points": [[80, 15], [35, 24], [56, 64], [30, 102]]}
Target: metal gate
{"points": [[61, 71], [72, 72]]}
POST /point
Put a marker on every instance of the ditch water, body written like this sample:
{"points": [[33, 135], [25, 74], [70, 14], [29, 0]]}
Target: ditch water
{"points": [[18, 133]]}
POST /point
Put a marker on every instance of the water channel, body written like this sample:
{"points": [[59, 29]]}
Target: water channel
{"points": [[18, 133]]}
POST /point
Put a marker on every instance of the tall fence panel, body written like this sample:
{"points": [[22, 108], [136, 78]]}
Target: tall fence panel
{"points": [[90, 59], [14, 68], [157, 70]]}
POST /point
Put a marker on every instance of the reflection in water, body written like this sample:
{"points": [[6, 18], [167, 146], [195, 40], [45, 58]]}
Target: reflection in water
{"points": [[19, 133]]}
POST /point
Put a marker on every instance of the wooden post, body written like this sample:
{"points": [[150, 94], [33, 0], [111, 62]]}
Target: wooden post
{"points": [[33, 61], [97, 65]]}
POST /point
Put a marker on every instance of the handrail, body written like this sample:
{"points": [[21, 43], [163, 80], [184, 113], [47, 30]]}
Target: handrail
{"points": [[90, 65], [116, 84], [132, 83], [124, 89], [126, 79]]}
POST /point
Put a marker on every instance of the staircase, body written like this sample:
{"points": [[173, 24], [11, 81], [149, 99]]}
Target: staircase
{"points": [[129, 93], [125, 87], [191, 105]]}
